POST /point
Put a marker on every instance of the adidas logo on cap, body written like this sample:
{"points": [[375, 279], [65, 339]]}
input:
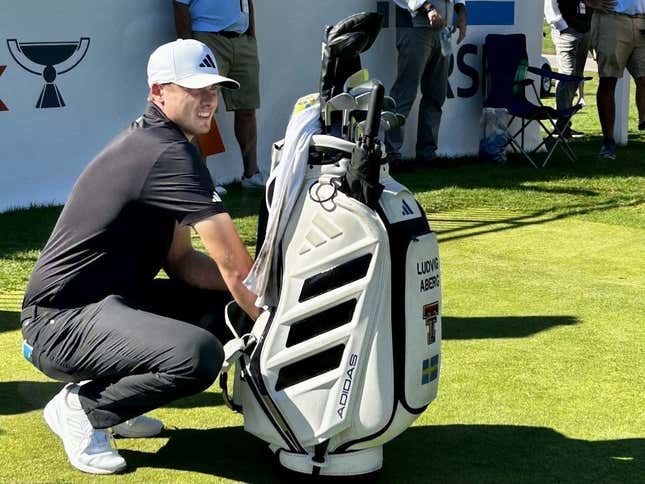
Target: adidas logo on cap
{"points": [[208, 62]]}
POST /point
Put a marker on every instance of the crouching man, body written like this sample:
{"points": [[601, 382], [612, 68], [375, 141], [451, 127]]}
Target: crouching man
{"points": [[94, 315]]}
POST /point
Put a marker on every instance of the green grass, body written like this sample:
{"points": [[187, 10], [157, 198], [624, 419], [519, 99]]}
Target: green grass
{"points": [[547, 46], [544, 337]]}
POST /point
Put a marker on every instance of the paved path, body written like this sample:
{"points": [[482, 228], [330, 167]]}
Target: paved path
{"points": [[590, 65]]}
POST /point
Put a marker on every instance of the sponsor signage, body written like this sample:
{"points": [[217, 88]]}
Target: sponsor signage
{"points": [[49, 60], [3, 106], [73, 74]]}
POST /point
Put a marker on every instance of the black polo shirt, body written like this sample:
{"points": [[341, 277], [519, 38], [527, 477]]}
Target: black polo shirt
{"points": [[115, 230]]}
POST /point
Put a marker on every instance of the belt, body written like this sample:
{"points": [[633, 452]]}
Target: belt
{"points": [[229, 34], [630, 15]]}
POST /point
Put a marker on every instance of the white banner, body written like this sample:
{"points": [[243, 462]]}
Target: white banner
{"points": [[73, 74]]}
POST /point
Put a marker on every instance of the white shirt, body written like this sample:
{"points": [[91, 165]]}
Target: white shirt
{"points": [[553, 16], [414, 5]]}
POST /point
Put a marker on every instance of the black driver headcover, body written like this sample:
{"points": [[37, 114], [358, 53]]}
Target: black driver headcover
{"points": [[344, 43]]}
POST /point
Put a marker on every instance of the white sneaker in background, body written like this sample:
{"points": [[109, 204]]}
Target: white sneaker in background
{"points": [[88, 449], [255, 181], [138, 427], [221, 190]]}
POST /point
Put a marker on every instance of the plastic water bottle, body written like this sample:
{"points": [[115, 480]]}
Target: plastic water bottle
{"points": [[446, 45]]}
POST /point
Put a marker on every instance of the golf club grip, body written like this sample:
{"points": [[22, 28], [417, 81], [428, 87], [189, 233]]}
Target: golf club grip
{"points": [[373, 119]]}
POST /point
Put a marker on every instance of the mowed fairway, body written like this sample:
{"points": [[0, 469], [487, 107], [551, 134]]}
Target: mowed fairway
{"points": [[543, 369]]}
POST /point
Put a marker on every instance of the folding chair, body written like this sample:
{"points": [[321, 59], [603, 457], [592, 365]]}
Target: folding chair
{"points": [[505, 68]]}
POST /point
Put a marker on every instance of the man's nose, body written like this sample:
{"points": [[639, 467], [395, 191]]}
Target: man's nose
{"points": [[209, 97]]}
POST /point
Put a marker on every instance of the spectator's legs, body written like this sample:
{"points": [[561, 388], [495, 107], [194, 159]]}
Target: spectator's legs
{"points": [[581, 59], [413, 46], [640, 102], [434, 87], [607, 106], [571, 49], [566, 47], [247, 137]]}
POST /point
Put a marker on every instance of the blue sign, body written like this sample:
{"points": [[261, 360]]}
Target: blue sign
{"points": [[490, 13]]}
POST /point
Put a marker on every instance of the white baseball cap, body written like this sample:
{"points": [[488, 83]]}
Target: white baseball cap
{"points": [[186, 62]]}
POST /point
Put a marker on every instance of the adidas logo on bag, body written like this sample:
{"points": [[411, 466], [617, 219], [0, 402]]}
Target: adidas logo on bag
{"points": [[406, 209]]}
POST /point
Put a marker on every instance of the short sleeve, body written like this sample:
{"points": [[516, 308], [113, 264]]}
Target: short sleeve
{"points": [[180, 183]]}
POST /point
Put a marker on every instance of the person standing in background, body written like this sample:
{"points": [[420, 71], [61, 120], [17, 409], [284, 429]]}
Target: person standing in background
{"points": [[570, 22], [618, 37], [227, 27], [421, 62]]}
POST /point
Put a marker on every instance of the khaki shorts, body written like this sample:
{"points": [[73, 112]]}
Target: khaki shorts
{"points": [[619, 42], [237, 58]]}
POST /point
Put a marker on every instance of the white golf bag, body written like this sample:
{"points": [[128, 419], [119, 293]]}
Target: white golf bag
{"points": [[350, 355]]}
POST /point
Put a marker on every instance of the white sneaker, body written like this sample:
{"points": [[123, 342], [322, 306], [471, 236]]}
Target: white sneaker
{"points": [[138, 427], [254, 181], [88, 449], [221, 190]]}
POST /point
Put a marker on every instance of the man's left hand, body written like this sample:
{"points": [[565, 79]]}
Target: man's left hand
{"points": [[461, 23]]}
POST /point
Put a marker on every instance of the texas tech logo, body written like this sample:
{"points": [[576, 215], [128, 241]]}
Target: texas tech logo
{"points": [[430, 314]]}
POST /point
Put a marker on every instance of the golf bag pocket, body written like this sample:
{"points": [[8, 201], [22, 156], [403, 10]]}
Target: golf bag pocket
{"points": [[416, 297], [422, 321]]}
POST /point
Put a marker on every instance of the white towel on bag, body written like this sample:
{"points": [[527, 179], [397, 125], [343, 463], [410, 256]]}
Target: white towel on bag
{"points": [[287, 177]]}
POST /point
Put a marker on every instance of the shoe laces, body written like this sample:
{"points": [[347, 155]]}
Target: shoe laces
{"points": [[100, 441]]}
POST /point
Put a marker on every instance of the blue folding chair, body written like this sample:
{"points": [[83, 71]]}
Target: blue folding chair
{"points": [[505, 68]]}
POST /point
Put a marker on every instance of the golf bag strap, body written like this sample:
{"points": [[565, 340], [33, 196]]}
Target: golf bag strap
{"points": [[233, 351], [228, 400], [318, 458]]}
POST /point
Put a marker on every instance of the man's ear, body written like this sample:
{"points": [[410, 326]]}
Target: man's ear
{"points": [[156, 93]]}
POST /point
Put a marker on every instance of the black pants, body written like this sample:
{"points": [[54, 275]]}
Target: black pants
{"points": [[139, 351]]}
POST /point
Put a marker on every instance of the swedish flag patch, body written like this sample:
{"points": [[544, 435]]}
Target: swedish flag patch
{"points": [[430, 370]]}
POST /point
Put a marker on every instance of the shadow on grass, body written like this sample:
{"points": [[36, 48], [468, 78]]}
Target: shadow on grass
{"points": [[501, 326], [447, 453], [24, 396], [470, 172], [18, 397], [26, 229], [480, 223], [504, 453], [9, 321], [242, 202]]}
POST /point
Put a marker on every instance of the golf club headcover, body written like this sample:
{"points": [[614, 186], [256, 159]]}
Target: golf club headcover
{"points": [[344, 43], [369, 23]]}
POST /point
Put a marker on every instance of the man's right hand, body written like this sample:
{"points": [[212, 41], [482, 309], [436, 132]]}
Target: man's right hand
{"points": [[436, 20]]}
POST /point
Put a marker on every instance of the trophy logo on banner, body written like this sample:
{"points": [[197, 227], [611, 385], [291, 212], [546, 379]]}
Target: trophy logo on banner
{"points": [[3, 106], [49, 59]]}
